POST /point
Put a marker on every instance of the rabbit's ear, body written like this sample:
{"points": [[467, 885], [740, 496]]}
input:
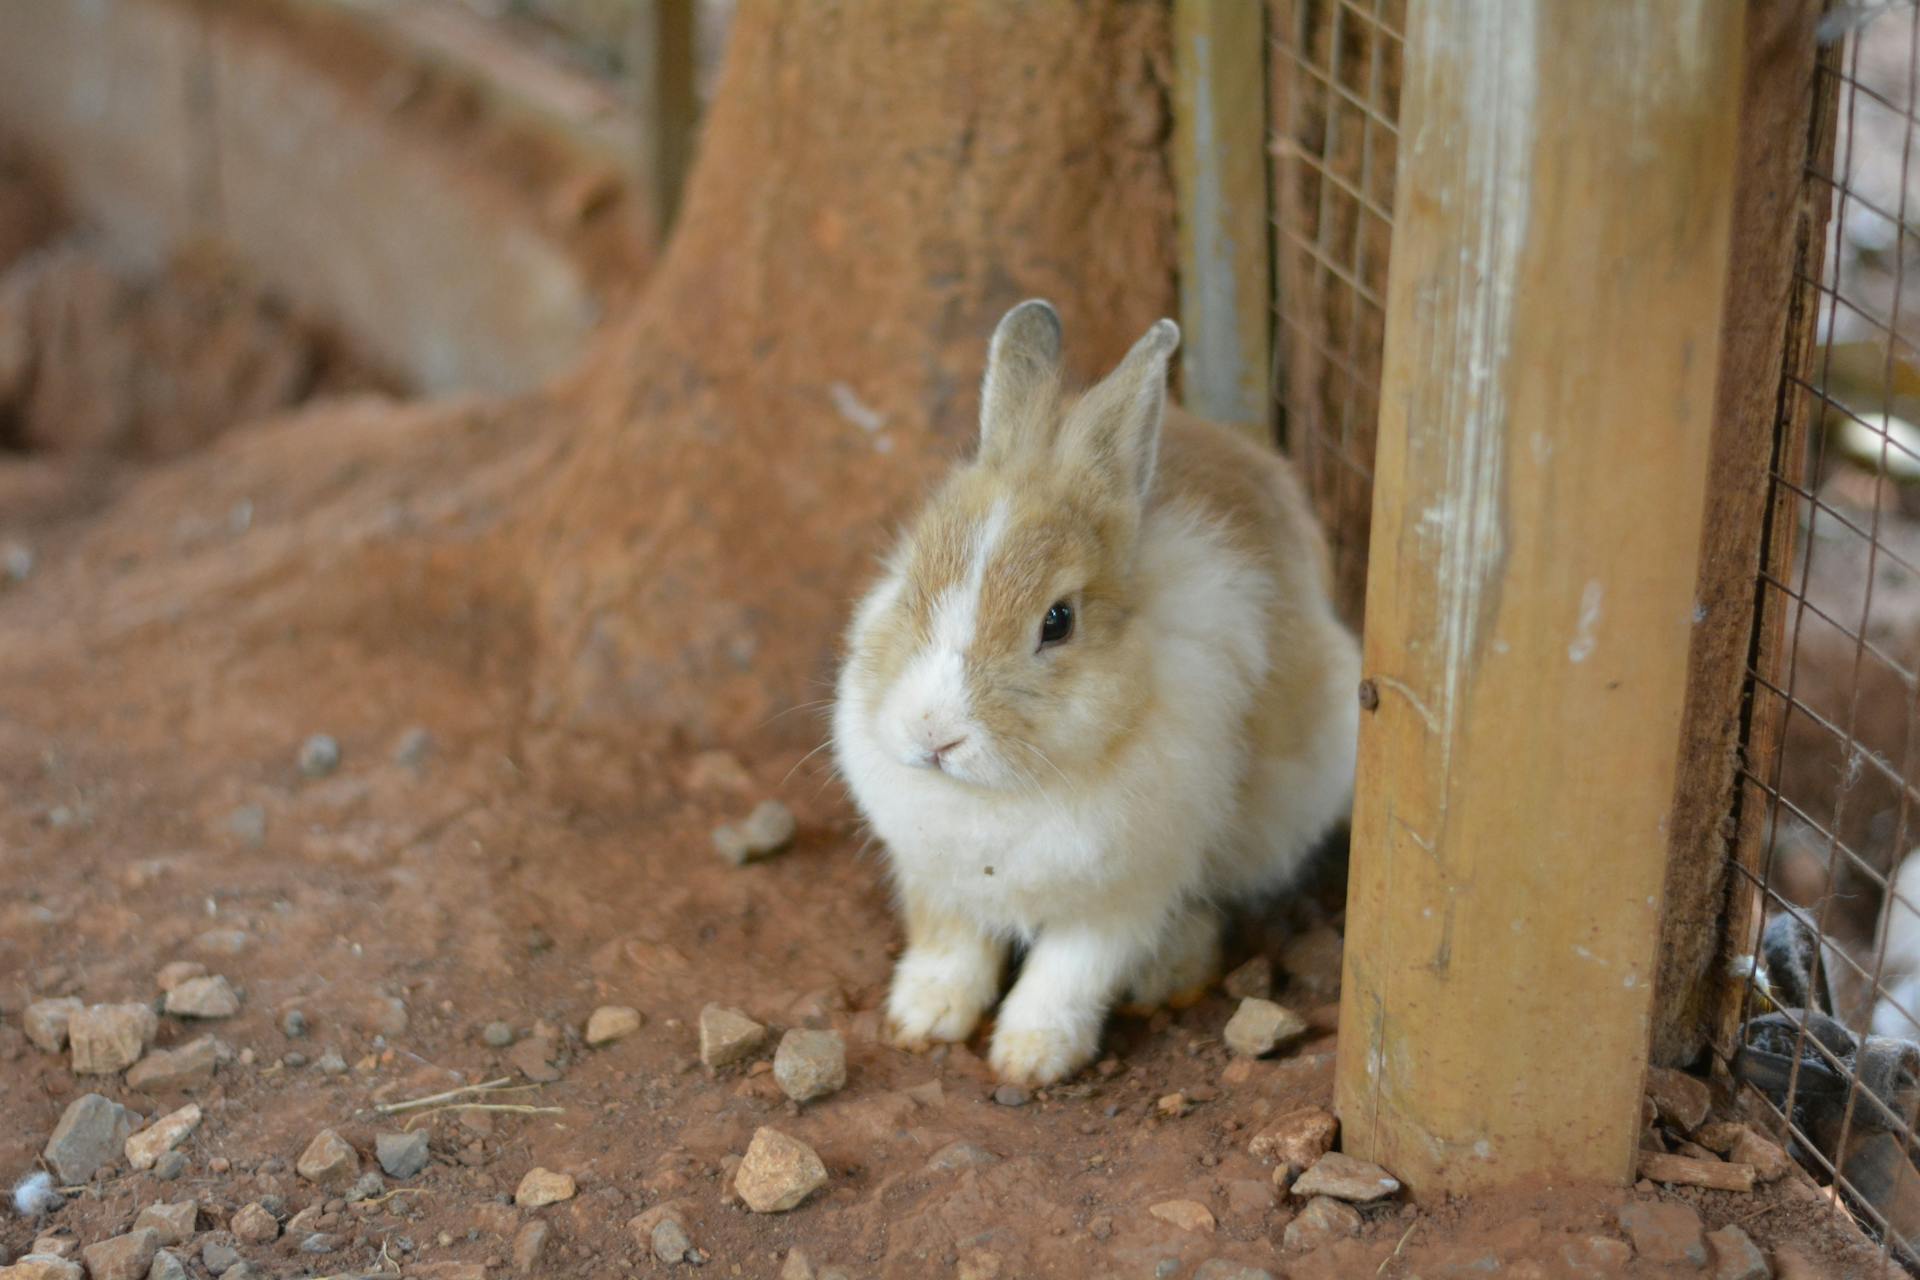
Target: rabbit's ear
{"points": [[1021, 392], [1115, 429]]}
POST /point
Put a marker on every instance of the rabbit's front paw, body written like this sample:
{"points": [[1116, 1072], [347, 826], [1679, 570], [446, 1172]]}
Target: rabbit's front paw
{"points": [[929, 1004], [1040, 1055]]}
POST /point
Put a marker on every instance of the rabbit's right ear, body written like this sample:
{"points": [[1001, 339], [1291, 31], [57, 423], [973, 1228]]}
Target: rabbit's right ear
{"points": [[1020, 395]]}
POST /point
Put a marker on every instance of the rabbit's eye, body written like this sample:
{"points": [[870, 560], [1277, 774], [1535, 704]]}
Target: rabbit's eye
{"points": [[1057, 625]]}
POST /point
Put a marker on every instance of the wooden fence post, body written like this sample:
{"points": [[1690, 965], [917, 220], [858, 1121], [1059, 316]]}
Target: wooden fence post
{"points": [[1553, 331]]}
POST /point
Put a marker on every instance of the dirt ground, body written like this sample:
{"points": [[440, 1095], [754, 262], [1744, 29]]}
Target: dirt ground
{"points": [[519, 826]]}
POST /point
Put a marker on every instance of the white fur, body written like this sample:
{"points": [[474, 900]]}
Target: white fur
{"points": [[35, 1196], [1110, 885]]}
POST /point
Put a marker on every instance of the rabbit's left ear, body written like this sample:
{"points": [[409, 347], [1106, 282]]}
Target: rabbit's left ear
{"points": [[1115, 429], [1021, 392]]}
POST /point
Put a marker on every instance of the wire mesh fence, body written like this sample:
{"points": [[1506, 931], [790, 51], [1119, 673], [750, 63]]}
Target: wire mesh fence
{"points": [[1335, 79], [1829, 965]]}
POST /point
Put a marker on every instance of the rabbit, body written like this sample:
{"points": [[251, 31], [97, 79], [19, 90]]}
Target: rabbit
{"points": [[1098, 693]]}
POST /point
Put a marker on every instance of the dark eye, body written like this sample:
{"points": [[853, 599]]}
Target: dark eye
{"points": [[1058, 624]]}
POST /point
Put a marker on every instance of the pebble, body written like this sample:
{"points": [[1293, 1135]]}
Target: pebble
{"points": [[331, 1063], [612, 1022], [543, 1187], [1736, 1257], [1344, 1178], [401, 1154], [293, 1024], [1011, 1095], [1258, 1027], [173, 974], [1297, 1139], [92, 1132], [528, 1244], [956, 1156], [368, 1186], [1323, 1220], [145, 1148], [108, 1038], [669, 1241], [248, 825], [1173, 1105], [218, 1256], [319, 756], [1221, 1269], [778, 1172], [167, 1266], [1665, 1232], [254, 1224], [294, 1060], [1188, 1215], [173, 1223], [171, 1070], [810, 1064], [43, 1266], [534, 1058], [1681, 1100], [761, 834], [798, 1266], [1251, 981], [320, 1242], [728, 1035], [45, 1022], [329, 1162], [497, 1035], [170, 1166], [1765, 1155], [124, 1257]]}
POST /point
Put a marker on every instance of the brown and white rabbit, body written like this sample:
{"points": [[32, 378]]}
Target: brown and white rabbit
{"points": [[1099, 692]]}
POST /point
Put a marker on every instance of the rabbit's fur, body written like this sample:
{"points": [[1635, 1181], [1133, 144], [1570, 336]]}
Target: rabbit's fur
{"points": [[1097, 798]]}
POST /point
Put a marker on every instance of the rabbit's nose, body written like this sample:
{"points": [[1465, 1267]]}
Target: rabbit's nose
{"points": [[934, 755]]}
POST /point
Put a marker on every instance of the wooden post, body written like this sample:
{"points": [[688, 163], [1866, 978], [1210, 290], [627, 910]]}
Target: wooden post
{"points": [[1553, 330], [666, 107], [1220, 180]]}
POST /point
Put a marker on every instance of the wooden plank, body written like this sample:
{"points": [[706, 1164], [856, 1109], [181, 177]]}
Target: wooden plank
{"points": [[1779, 224], [1220, 185], [1554, 319]]}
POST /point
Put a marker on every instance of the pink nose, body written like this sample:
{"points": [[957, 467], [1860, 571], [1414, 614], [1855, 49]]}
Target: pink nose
{"points": [[933, 756]]}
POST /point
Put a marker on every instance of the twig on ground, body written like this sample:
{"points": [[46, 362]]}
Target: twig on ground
{"points": [[1404, 1236]]}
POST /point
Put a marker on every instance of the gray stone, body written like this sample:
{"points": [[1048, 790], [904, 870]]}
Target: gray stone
{"points": [[293, 1024], [401, 1154], [669, 1242], [218, 1256], [173, 1223], [761, 834], [1260, 1026], [176, 1070], [368, 1186], [45, 1022], [170, 1166], [1011, 1095], [329, 1162], [92, 1132], [209, 997], [956, 1156], [1665, 1232], [331, 1063], [319, 1242], [810, 1064], [1322, 1221], [497, 1035], [1344, 1178], [727, 1036], [167, 1266], [124, 1257], [319, 756], [1736, 1256]]}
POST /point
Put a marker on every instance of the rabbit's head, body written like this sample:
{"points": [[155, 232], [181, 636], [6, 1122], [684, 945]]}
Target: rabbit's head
{"points": [[1002, 648]]}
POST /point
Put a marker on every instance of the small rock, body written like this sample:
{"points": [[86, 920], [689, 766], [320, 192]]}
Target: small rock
{"points": [[124, 1257], [1188, 1215], [1736, 1257], [329, 1162], [1768, 1160], [1594, 1257], [167, 1266], [1221, 1269], [1173, 1105], [778, 1172], [45, 1022], [956, 1156], [534, 1057], [1259, 1027], [319, 1242], [1251, 981], [368, 1186], [253, 1224], [175, 1070], [611, 1022], [401, 1154], [248, 825], [319, 756], [1297, 1139], [761, 834], [179, 971], [1665, 1232], [528, 1245], [55, 1244], [1344, 1178], [798, 1266], [208, 997], [1312, 963], [728, 1035], [107, 1038], [331, 1063], [145, 1148], [810, 1064], [497, 1035], [173, 1223], [1249, 1197], [669, 1241], [170, 1166], [980, 1264], [1717, 1136], [42, 1266], [1322, 1221], [1682, 1100], [218, 1256], [543, 1187], [1011, 1095], [91, 1133], [415, 745], [293, 1024]]}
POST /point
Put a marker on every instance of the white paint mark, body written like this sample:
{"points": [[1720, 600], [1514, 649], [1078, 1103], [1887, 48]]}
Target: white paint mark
{"points": [[1583, 638]]}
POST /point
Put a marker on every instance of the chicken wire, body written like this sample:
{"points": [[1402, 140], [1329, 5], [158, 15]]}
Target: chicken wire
{"points": [[1829, 969], [1335, 84]]}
